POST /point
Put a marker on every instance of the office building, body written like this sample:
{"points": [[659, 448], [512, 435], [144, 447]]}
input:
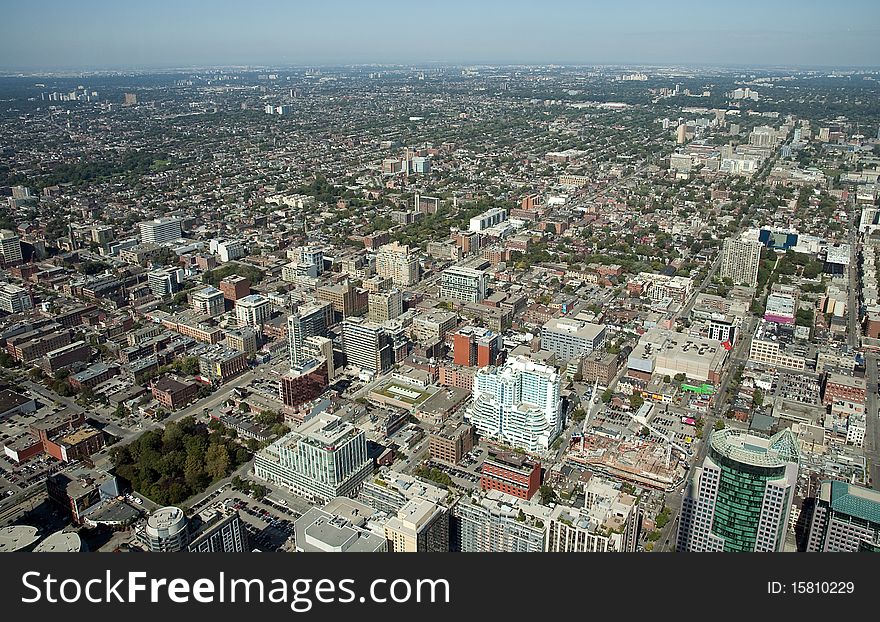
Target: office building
{"points": [[475, 346], [451, 443], [220, 363], [345, 299], [367, 346], [244, 339], [432, 326], [10, 247], [14, 299], [846, 518], [208, 301], [399, 263], [740, 261], [165, 281], [385, 305], [514, 474], [253, 310], [309, 320], [464, 284], [325, 458], [571, 339], [741, 497], [235, 287], [304, 382], [518, 404], [160, 230]]}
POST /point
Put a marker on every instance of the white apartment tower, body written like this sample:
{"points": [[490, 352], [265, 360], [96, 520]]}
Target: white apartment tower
{"points": [[518, 404]]}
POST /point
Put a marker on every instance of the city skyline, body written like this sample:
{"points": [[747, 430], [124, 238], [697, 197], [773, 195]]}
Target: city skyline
{"points": [[87, 35]]}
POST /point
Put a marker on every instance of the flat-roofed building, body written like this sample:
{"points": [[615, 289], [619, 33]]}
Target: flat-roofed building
{"points": [[325, 458], [570, 339]]}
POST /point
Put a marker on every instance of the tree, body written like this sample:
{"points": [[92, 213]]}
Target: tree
{"points": [[636, 401], [547, 493], [719, 425], [607, 395], [757, 397], [217, 461]]}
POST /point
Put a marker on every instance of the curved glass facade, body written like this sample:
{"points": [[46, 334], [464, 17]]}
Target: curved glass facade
{"points": [[740, 499]]}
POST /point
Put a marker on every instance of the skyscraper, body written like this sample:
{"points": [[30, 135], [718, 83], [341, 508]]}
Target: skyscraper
{"points": [[310, 320], [367, 345], [518, 404], [740, 499], [740, 260], [846, 517]]}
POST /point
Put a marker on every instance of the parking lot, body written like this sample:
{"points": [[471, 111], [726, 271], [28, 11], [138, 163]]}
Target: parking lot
{"points": [[269, 523]]}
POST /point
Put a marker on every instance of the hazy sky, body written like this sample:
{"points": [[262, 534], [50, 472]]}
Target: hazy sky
{"points": [[84, 34]]}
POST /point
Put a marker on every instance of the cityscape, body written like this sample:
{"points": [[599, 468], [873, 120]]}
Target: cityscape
{"points": [[440, 307]]}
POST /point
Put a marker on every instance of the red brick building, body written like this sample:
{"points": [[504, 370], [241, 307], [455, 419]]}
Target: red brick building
{"points": [[235, 287], [475, 346], [173, 393], [512, 474], [841, 387]]}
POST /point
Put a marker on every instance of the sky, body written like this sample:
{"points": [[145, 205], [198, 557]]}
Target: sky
{"points": [[122, 34]]}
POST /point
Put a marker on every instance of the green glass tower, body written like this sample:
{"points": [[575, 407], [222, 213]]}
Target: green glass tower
{"points": [[740, 499]]}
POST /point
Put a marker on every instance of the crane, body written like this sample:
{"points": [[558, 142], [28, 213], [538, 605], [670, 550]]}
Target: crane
{"points": [[643, 421]]}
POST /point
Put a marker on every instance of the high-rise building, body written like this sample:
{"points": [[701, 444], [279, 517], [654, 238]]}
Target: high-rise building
{"points": [[570, 339], [165, 281], [518, 404], [476, 346], [10, 247], [740, 499], [208, 301], [219, 532], [681, 134], [740, 261], [846, 518], [498, 523], [160, 230], [252, 310], [166, 531], [130, 99], [385, 305], [309, 320], [464, 284], [325, 458], [14, 299], [227, 250], [304, 382], [420, 526], [345, 298], [399, 263], [367, 346]]}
